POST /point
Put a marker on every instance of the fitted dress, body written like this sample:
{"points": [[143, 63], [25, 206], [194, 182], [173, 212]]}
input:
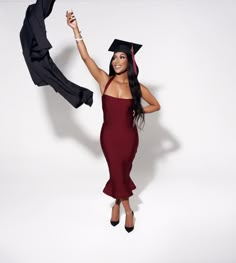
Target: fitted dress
{"points": [[119, 142]]}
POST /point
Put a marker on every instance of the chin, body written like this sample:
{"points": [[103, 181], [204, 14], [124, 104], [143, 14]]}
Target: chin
{"points": [[118, 72]]}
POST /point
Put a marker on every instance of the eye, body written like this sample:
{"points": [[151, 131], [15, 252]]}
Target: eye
{"points": [[122, 57]]}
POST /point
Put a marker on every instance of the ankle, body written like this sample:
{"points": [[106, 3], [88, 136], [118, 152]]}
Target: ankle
{"points": [[128, 212]]}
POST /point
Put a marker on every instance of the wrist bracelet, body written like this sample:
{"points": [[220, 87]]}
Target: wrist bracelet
{"points": [[78, 39]]}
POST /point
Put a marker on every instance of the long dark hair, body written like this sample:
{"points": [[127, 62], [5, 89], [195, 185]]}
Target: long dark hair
{"points": [[135, 90]]}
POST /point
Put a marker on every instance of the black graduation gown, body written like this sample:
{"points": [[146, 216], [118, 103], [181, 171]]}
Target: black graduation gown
{"points": [[43, 70]]}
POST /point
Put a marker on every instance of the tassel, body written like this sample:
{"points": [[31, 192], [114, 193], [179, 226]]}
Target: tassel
{"points": [[134, 64]]}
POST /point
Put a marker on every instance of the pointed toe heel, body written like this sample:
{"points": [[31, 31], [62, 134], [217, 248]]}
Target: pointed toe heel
{"points": [[129, 228], [114, 223]]}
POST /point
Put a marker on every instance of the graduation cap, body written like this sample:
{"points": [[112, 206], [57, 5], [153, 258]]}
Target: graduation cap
{"points": [[126, 47]]}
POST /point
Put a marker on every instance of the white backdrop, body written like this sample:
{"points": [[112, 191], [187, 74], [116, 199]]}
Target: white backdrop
{"points": [[52, 170]]}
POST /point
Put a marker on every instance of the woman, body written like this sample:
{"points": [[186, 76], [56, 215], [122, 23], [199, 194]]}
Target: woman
{"points": [[123, 112]]}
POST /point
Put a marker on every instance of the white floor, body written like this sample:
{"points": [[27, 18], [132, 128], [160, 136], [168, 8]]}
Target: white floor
{"points": [[64, 217]]}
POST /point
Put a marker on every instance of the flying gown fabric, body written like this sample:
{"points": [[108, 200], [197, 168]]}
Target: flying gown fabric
{"points": [[119, 142], [43, 70]]}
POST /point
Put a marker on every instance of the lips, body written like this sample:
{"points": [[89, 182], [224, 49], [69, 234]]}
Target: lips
{"points": [[118, 68]]}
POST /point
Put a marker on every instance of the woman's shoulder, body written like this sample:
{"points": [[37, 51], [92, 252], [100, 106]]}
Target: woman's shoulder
{"points": [[143, 87], [106, 79]]}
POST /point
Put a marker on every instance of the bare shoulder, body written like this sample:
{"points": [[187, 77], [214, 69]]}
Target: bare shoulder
{"points": [[144, 90], [104, 77], [104, 81], [147, 95]]}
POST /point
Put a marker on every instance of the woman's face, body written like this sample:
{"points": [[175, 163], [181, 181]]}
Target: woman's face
{"points": [[119, 62]]}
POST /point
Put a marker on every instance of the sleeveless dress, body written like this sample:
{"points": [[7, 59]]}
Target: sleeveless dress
{"points": [[119, 142]]}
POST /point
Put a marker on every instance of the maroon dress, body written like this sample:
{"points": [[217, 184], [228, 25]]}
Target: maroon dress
{"points": [[119, 142]]}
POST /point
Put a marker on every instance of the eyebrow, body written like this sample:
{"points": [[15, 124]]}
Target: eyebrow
{"points": [[122, 54]]}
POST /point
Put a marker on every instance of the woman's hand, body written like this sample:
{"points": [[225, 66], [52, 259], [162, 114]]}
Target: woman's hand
{"points": [[71, 20]]}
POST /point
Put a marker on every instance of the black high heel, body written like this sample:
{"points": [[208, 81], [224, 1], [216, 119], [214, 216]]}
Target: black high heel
{"points": [[114, 223], [129, 228]]}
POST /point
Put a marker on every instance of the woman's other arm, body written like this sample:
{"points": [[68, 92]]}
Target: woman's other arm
{"points": [[150, 99]]}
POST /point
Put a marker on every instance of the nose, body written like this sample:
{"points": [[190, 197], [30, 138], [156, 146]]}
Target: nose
{"points": [[116, 60]]}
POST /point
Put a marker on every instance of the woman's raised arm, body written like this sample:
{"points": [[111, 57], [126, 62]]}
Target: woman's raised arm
{"points": [[99, 75]]}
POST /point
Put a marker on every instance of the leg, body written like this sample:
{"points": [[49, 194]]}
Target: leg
{"points": [[129, 220], [116, 211]]}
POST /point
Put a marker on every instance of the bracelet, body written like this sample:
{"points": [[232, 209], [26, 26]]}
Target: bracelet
{"points": [[78, 39]]}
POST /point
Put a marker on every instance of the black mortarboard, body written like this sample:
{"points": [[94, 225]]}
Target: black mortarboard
{"points": [[124, 46]]}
